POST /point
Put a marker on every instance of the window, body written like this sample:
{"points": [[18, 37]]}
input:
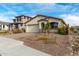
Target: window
{"points": [[20, 19], [54, 25], [14, 20], [17, 19]]}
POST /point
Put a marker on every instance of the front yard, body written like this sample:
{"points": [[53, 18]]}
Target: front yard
{"points": [[57, 45]]}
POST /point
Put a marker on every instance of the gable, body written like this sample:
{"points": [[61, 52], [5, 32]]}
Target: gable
{"points": [[35, 20]]}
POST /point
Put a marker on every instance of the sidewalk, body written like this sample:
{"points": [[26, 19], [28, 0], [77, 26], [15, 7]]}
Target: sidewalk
{"points": [[11, 47]]}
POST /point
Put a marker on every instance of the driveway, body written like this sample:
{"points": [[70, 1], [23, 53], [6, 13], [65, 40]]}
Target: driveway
{"points": [[11, 47]]}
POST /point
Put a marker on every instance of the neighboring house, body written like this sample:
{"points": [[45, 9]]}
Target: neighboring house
{"points": [[4, 26], [35, 24], [19, 21]]}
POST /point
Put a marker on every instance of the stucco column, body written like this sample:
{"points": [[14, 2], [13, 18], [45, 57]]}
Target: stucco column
{"points": [[40, 26]]}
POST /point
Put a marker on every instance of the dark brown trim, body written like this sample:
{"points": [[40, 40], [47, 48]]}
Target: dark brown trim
{"points": [[15, 23], [22, 15], [64, 22], [46, 17]]}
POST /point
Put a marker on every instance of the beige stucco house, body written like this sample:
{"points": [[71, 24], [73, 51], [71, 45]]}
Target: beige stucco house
{"points": [[35, 24]]}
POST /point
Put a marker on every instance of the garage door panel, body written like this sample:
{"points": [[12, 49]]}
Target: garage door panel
{"points": [[32, 28]]}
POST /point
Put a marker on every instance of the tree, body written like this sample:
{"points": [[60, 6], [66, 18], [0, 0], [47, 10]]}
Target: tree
{"points": [[47, 28], [45, 38]]}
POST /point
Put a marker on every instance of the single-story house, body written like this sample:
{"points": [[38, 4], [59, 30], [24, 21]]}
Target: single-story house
{"points": [[35, 24]]}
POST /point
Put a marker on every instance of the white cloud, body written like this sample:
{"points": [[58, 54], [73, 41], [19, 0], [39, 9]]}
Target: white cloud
{"points": [[7, 16], [72, 20], [44, 7], [5, 19]]}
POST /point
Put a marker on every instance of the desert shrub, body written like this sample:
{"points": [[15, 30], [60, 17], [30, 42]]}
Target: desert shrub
{"points": [[43, 38], [73, 30], [63, 31], [17, 31], [47, 40]]}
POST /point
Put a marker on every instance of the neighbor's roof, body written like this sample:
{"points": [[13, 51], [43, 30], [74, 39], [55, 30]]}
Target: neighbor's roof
{"points": [[4, 23]]}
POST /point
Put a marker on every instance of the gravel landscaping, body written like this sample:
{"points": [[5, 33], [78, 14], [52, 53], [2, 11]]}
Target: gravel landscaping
{"points": [[61, 48]]}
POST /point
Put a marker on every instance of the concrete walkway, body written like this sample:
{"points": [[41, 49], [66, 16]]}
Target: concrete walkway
{"points": [[11, 47]]}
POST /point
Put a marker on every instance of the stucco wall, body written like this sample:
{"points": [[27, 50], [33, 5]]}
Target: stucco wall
{"points": [[34, 21], [6, 27], [3, 28]]}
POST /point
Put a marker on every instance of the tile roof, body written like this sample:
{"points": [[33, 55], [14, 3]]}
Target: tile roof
{"points": [[47, 17]]}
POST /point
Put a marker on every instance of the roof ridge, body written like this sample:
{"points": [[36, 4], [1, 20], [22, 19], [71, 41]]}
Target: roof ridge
{"points": [[23, 15], [48, 16]]}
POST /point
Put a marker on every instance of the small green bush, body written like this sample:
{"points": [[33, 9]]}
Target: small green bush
{"points": [[63, 31]]}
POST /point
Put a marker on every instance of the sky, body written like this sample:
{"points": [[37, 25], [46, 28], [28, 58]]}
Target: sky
{"points": [[67, 11]]}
